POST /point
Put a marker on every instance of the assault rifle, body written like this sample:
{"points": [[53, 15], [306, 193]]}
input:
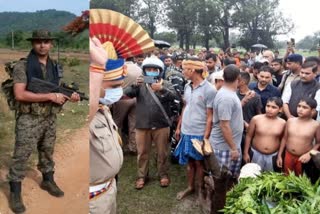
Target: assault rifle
{"points": [[41, 86]]}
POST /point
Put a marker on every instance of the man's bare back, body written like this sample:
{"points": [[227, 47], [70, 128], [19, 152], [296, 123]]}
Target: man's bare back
{"points": [[301, 133], [267, 134]]}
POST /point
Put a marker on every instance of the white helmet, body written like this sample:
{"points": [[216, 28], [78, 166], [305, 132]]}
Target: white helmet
{"points": [[153, 62]]}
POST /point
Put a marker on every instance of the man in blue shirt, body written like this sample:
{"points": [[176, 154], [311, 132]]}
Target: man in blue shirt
{"points": [[263, 86]]}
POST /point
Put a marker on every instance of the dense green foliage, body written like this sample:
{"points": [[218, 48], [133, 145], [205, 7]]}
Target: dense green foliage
{"points": [[28, 21], [274, 193]]}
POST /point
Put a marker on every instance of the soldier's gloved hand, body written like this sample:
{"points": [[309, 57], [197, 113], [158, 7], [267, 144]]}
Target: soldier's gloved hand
{"points": [[75, 97], [59, 98]]}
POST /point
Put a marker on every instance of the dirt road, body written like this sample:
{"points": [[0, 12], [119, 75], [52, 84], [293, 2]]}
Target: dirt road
{"points": [[72, 170]]}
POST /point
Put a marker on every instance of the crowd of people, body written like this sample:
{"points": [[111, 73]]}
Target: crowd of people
{"points": [[258, 108], [244, 104]]}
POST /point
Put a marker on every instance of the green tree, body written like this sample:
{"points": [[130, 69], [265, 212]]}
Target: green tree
{"points": [[260, 21], [170, 37], [207, 22], [226, 19], [150, 15], [182, 17], [18, 37]]}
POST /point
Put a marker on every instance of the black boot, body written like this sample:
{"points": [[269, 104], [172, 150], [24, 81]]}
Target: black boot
{"points": [[15, 201], [49, 185]]}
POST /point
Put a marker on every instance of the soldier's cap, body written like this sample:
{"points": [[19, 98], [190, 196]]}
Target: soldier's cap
{"points": [[41, 35], [295, 58]]}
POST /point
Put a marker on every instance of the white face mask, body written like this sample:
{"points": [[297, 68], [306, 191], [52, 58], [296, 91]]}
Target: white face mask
{"points": [[112, 95]]}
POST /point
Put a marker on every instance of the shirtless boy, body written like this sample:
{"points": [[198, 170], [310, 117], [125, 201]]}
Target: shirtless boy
{"points": [[297, 140], [265, 132]]}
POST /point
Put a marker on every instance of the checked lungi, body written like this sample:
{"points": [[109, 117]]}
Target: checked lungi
{"points": [[224, 158]]}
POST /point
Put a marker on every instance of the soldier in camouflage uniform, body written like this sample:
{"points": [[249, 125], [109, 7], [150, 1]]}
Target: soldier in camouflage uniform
{"points": [[35, 118]]}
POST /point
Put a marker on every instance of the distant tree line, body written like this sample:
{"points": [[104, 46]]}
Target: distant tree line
{"points": [[197, 22], [310, 42]]}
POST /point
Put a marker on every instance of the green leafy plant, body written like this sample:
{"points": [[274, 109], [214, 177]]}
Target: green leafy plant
{"points": [[274, 193]]}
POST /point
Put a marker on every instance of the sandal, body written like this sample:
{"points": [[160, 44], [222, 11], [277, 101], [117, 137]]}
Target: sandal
{"points": [[140, 182], [164, 182]]}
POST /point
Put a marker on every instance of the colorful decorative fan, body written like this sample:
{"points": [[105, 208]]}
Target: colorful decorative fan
{"points": [[127, 36]]}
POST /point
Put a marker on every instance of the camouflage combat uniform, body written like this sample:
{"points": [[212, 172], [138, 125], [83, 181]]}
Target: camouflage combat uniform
{"points": [[175, 77], [35, 127]]}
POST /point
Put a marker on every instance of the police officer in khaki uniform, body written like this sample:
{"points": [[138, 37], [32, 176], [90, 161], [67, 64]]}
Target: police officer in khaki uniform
{"points": [[35, 118], [106, 155]]}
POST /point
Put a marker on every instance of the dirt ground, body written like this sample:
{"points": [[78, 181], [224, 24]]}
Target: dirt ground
{"points": [[72, 170], [72, 165]]}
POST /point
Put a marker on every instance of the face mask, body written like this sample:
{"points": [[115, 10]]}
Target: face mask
{"points": [[152, 74], [112, 95]]}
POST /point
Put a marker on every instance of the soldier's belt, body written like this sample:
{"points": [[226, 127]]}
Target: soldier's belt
{"points": [[41, 109]]}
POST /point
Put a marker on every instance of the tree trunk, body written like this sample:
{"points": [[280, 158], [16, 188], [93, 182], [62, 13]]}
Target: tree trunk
{"points": [[226, 38], [151, 33], [226, 28], [255, 30], [206, 40], [187, 41], [152, 28], [181, 39]]}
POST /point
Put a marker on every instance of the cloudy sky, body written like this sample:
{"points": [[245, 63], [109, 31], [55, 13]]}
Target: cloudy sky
{"points": [[73, 6], [305, 15]]}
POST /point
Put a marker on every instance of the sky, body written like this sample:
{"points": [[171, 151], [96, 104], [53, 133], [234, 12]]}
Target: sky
{"points": [[73, 6], [305, 16]]}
